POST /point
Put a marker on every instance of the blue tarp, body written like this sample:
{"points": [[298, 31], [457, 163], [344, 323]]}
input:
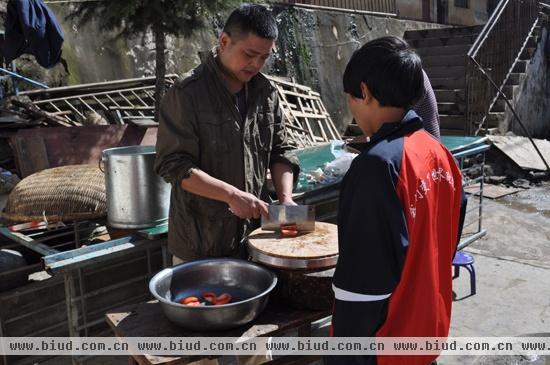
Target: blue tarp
{"points": [[31, 27], [313, 158]]}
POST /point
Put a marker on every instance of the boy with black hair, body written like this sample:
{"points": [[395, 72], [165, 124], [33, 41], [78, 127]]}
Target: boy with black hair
{"points": [[400, 211]]}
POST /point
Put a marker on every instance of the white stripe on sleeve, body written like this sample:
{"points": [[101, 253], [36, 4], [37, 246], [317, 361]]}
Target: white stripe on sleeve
{"points": [[349, 296]]}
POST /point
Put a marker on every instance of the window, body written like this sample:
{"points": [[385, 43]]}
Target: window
{"points": [[462, 4]]}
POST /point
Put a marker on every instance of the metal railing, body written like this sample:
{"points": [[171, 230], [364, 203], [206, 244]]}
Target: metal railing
{"points": [[494, 55], [380, 7]]}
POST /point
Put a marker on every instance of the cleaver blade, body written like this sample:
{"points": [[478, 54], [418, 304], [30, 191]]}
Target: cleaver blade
{"points": [[301, 215]]}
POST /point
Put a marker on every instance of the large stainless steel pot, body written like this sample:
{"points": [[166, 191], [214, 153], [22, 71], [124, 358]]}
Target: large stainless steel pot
{"points": [[136, 196], [249, 284]]}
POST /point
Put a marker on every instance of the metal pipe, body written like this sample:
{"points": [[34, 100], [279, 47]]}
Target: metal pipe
{"points": [[487, 28], [27, 242], [83, 305], [111, 84], [23, 268], [503, 96], [109, 288], [27, 314], [17, 76], [469, 240], [481, 187]]}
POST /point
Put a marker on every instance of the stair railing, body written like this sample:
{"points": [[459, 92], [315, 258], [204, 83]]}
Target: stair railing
{"points": [[494, 55]]}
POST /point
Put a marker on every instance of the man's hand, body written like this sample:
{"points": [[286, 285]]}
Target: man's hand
{"points": [[245, 205]]}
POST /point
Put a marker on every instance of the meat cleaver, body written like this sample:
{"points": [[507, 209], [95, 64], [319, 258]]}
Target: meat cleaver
{"points": [[303, 216]]}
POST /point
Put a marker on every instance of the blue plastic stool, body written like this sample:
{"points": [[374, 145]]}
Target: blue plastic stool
{"points": [[465, 260]]}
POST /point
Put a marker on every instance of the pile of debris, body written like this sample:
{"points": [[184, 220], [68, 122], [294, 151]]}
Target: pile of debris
{"points": [[121, 113], [19, 112], [511, 165]]}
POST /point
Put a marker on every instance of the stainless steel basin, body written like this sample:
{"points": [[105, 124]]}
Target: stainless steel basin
{"points": [[249, 284]]}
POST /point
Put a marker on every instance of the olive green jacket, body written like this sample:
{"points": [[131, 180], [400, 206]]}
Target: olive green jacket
{"points": [[200, 127]]}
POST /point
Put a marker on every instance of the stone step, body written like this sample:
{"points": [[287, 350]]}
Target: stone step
{"points": [[441, 41], [445, 60], [450, 96], [447, 82], [520, 66], [451, 108], [445, 71], [527, 53], [514, 79], [509, 90], [532, 41], [493, 120], [442, 32], [499, 106], [461, 49], [487, 131]]}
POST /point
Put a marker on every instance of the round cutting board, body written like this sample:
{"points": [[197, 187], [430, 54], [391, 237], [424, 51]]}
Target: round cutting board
{"points": [[308, 250]]}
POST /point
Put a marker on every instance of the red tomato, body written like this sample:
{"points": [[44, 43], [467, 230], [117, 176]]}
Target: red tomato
{"points": [[288, 233], [209, 296], [188, 300], [223, 299]]}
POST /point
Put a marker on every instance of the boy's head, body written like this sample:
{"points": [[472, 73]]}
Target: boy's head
{"points": [[247, 40], [382, 78]]}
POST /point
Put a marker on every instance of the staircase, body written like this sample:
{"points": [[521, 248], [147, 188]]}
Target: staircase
{"points": [[443, 53]]}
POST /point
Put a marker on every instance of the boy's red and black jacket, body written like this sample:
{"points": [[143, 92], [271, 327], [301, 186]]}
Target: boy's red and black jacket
{"points": [[400, 213]]}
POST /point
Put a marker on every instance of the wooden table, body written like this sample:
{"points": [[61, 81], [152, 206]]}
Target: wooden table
{"points": [[148, 320]]}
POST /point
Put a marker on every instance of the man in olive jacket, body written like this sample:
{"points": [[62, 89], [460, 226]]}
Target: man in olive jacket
{"points": [[220, 129]]}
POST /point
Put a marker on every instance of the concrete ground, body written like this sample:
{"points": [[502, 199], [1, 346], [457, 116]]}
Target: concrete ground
{"points": [[513, 277], [513, 273]]}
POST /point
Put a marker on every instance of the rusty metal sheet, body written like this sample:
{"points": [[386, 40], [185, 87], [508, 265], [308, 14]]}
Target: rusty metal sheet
{"points": [[521, 151], [60, 146]]}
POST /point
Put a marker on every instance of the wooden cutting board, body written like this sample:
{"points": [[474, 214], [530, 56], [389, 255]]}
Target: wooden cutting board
{"points": [[322, 242]]}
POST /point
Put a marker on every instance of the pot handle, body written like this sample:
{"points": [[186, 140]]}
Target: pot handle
{"points": [[100, 165]]}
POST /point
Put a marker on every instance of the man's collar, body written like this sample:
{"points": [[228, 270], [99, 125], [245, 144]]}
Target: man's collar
{"points": [[411, 122]]}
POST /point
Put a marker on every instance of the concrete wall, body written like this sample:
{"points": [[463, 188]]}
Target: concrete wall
{"points": [[314, 47], [532, 100], [411, 9], [475, 14]]}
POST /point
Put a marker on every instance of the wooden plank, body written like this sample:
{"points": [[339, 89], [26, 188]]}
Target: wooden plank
{"points": [[297, 137], [125, 108], [307, 123], [30, 154], [299, 114], [148, 320]]}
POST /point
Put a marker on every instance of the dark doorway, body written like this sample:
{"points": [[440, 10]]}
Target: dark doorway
{"points": [[426, 11], [442, 11]]}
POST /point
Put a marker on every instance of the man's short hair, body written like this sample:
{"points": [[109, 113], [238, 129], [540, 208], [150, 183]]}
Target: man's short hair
{"points": [[251, 18], [391, 70]]}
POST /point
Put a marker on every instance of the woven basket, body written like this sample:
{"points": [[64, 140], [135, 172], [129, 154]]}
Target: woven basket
{"points": [[66, 193]]}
